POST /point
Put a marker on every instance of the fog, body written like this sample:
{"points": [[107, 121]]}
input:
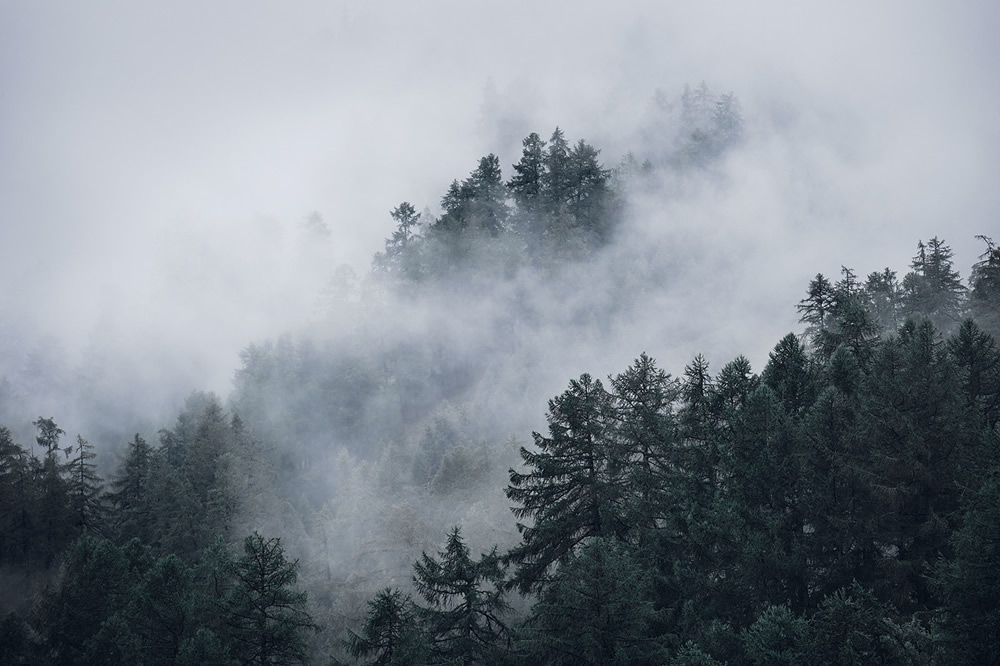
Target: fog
{"points": [[154, 153], [159, 163]]}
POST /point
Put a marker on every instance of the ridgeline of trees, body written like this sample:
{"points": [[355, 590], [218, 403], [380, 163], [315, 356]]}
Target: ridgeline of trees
{"points": [[840, 506]]}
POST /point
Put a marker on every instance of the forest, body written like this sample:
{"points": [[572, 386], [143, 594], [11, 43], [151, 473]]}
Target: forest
{"points": [[375, 493]]}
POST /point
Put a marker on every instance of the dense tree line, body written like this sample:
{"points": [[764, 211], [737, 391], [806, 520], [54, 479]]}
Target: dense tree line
{"points": [[838, 506], [139, 570]]}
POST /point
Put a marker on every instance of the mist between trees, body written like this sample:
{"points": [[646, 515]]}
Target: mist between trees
{"points": [[351, 499]]}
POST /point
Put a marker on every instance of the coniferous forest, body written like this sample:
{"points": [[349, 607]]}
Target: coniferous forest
{"points": [[374, 495]]}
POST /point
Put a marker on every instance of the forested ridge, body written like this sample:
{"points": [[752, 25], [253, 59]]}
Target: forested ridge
{"points": [[348, 503]]}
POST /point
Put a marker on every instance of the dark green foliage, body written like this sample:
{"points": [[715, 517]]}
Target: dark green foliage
{"points": [[883, 299], [789, 373], [573, 486], [15, 641], [984, 283], [778, 636], [644, 433], [96, 581], [968, 584], [598, 609], [18, 500], [266, 616], [396, 257], [463, 620], [527, 182], [977, 360], [817, 308], [85, 486], [391, 633], [691, 655], [933, 288], [851, 627], [130, 497]]}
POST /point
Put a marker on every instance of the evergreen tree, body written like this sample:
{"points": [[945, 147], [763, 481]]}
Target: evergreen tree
{"points": [[96, 580], [789, 374], [778, 636], [391, 633], [883, 299], [984, 283], [133, 512], [529, 173], [18, 501], [573, 488], [489, 207], [968, 583], [913, 444], [727, 122], [598, 610], [85, 487], [466, 604], [557, 176], [852, 627], [816, 308], [160, 613], [933, 288], [644, 428], [978, 361], [55, 530], [587, 195], [397, 247], [266, 615]]}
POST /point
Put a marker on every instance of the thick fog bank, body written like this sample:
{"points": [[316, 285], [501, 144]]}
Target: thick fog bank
{"points": [[161, 162]]}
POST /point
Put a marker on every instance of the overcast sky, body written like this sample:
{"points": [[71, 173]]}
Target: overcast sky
{"points": [[152, 153]]}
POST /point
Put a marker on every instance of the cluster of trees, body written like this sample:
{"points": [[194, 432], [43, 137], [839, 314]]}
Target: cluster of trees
{"points": [[138, 570], [838, 507], [120, 604], [559, 203], [853, 311]]}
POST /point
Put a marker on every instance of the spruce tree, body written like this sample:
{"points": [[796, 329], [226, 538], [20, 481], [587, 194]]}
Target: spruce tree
{"points": [[465, 604], [984, 283], [391, 633], [266, 614], [573, 488]]}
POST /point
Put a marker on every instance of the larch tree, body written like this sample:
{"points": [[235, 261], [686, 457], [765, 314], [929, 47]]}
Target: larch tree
{"points": [[573, 488]]}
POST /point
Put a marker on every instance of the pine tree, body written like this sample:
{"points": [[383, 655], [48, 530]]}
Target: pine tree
{"points": [[789, 374], [968, 583], [573, 488], [598, 610], [883, 299], [55, 530], [587, 196], [488, 206], [266, 615], [85, 486], [978, 361], [391, 633], [984, 283], [529, 173], [466, 604], [817, 308], [645, 432], [933, 288], [18, 500], [133, 512], [557, 175]]}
